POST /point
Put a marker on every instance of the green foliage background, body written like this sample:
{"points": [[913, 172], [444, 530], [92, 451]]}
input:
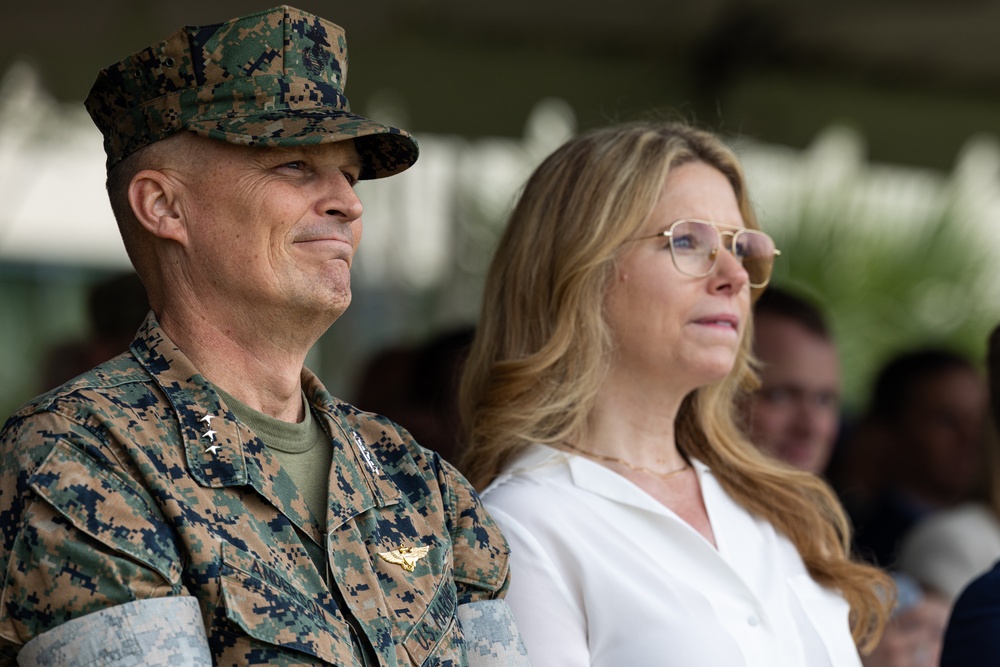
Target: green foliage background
{"points": [[891, 283]]}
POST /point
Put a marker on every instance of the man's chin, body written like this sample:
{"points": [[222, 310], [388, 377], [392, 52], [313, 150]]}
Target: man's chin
{"points": [[803, 457]]}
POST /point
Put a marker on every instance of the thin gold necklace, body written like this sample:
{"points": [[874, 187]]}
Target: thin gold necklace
{"points": [[614, 459]]}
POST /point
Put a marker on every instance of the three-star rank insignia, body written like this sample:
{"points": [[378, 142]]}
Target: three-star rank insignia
{"points": [[210, 434]]}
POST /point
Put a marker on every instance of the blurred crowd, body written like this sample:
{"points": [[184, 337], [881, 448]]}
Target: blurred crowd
{"points": [[911, 471]]}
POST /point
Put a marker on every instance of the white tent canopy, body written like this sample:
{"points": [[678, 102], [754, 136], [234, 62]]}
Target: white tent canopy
{"points": [[53, 207]]}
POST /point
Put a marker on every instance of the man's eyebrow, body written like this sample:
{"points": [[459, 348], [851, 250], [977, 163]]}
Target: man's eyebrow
{"points": [[270, 153], [351, 160], [279, 153]]}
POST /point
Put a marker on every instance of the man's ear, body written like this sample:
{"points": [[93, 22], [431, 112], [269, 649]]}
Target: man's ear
{"points": [[155, 201]]}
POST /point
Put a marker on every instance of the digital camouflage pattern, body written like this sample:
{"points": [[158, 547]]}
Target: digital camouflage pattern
{"points": [[275, 78], [135, 481], [129, 635]]}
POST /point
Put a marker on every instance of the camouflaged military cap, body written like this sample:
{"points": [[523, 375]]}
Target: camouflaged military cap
{"points": [[275, 78]]}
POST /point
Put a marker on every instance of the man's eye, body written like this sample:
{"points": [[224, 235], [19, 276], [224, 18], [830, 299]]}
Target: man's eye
{"points": [[292, 165], [352, 179], [776, 394], [828, 399]]}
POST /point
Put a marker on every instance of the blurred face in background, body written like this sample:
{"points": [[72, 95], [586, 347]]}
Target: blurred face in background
{"points": [[794, 416], [939, 435]]}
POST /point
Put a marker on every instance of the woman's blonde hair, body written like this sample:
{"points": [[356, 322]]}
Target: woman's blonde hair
{"points": [[542, 344]]}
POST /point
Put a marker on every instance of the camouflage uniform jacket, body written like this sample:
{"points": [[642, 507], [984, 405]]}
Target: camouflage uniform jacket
{"points": [[111, 491]]}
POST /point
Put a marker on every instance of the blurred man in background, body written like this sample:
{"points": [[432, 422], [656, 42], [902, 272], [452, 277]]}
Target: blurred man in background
{"points": [[795, 417], [973, 634], [923, 431], [116, 306], [795, 414]]}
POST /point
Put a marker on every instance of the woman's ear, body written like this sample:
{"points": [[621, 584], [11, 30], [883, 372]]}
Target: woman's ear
{"points": [[155, 201]]}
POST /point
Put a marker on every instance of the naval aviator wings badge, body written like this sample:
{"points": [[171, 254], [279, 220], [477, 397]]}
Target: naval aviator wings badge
{"points": [[405, 557]]}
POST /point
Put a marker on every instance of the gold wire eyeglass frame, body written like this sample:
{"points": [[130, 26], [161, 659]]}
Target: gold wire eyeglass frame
{"points": [[721, 232]]}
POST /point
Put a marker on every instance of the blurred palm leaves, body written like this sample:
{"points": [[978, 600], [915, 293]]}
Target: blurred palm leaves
{"points": [[898, 258]]}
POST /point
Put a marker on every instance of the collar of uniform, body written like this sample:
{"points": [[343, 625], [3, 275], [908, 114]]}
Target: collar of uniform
{"points": [[359, 488], [358, 480], [213, 443]]}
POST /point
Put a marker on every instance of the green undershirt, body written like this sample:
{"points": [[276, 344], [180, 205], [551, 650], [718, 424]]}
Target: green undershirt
{"points": [[304, 452]]}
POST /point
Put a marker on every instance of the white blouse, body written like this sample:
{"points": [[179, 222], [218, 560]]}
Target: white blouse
{"points": [[603, 575]]}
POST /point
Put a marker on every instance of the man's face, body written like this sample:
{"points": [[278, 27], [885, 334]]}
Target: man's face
{"points": [[794, 415], [272, 232], [939, 433]]}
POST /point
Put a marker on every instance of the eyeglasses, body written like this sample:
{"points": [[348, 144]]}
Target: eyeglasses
{"points": [[694, 246]]}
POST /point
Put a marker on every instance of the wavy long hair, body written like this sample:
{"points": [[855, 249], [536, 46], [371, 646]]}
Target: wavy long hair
{"points": [[542, 346]]}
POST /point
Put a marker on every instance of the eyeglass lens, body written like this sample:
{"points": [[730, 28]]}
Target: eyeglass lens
{"points": [[695, 249]]}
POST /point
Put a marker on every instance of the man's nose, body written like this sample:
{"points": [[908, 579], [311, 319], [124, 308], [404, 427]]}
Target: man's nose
{"points": [[339, 198]]}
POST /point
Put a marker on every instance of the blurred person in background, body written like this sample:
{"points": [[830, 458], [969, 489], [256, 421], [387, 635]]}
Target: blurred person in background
{"points": [[417, 387], [925, 424], [116, 307], [973, 633], [953, 546], [599, 401], [794, 416]]}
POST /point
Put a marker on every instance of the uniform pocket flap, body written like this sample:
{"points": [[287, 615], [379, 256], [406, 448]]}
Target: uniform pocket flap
{"points": [[269, 608], [108, 508]]}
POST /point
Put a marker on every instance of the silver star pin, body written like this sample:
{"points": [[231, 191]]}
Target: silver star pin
{"points": [[210, 434]]}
